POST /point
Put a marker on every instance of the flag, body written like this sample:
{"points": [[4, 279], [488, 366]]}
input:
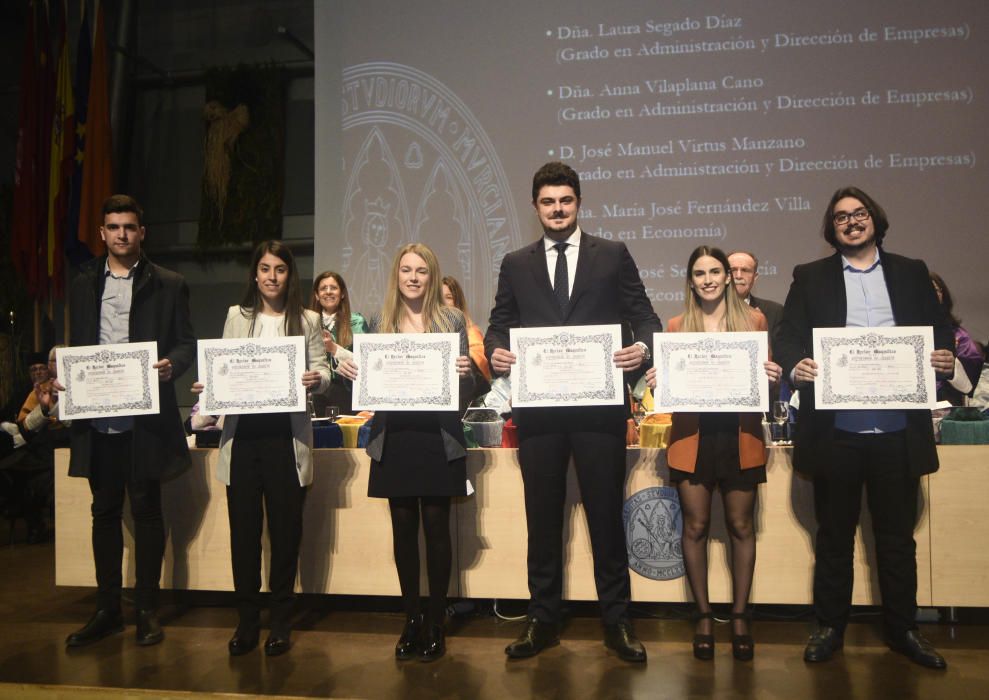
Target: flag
{"points": [[75, 249], [97, 166], [30, 169], [23, 242], [60, 169]]}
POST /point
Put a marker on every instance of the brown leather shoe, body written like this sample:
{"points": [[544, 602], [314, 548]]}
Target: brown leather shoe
{"points": [[536, 637], [621, 639]]}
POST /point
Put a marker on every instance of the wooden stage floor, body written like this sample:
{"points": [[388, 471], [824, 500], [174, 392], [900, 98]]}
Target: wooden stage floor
{"points": [[343, 649]]}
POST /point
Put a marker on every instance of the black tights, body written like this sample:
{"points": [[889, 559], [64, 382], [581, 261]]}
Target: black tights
{"points": [[695, 500], [439, 553]]}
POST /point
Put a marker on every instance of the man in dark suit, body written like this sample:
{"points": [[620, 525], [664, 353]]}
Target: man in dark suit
{"points": [[885, 451], [570, 278], [745, 272], [122, 298]]}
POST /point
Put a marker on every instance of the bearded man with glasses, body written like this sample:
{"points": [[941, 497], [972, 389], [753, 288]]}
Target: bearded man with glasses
{"points": [[886, 451]]}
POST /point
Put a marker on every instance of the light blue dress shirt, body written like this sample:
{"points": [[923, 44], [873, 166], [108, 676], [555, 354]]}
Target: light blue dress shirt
{"points": [[868, 306], [115, 328]]}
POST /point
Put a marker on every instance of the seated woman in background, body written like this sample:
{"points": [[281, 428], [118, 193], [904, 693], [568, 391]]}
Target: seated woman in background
{"points": [[453, 296], [332, 301], [717, 450], [419, 458], [968, 357]]}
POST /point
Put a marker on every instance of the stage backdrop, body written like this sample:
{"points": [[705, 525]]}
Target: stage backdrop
{"points": [[701, 122]]}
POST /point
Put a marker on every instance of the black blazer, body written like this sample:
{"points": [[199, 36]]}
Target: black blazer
{"points": [[773, 312], [451, 429], [817, 300], [606, 290], [159, 311]]}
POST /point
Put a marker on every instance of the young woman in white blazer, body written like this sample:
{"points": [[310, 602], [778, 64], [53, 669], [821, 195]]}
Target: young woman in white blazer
{"points": [[265, 459]]}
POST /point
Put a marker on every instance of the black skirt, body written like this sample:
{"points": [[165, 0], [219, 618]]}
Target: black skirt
{"points": [[718, 463], [414, 462]]}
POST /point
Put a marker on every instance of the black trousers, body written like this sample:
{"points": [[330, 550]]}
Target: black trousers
{"points": [[599, 459], [263, 479], [112, 475], [879, 463]]}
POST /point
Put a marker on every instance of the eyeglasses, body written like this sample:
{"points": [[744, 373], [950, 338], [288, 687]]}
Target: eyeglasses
{"points": [[842, 218]]}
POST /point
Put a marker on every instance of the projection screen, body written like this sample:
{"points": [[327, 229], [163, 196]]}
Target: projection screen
{"points": [[704, 122]]}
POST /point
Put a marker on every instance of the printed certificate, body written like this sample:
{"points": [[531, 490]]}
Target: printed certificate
{"points": [[874, 368], [106, 381], [566, 366], [252, 375], [711, 372], [406, 371]]}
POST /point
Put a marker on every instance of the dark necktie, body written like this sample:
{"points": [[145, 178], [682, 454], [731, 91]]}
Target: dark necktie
{"points": [[561, 279]]}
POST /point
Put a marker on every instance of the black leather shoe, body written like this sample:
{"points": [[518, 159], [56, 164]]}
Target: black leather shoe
{"points": [[242, 642], [408, 643], [100, 625], [621, 640], [915, 647], [276, 645], [536, 637], [149, 631], [823, 643], [433, 644]]}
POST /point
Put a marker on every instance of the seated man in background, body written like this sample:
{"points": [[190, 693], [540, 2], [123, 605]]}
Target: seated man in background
{"points": [[29, 473]]}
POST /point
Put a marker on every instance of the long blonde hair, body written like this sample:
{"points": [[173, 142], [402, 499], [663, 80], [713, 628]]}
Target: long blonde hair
{"points": [[738, 314], [436, 316]]}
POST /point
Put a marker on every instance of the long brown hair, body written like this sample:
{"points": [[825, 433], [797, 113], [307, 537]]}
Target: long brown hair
{"points": [[433, 311], [738, 315], [459, 298], [252, 303], [344, 333]]}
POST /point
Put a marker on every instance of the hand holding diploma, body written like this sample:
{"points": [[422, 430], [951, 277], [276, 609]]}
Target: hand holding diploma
{"points": [[629, 359]]}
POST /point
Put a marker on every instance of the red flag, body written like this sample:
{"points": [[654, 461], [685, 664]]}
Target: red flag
{"points": [[97, 168], [30, 171], [61, 164]]}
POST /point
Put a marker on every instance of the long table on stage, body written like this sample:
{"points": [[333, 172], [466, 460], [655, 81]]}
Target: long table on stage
{"points": [[346, 544]]}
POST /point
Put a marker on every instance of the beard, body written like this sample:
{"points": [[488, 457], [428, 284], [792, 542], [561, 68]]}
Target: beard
{"points": [[858, 246]]}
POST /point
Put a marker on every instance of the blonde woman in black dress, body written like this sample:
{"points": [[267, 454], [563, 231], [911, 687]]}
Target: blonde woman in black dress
{"points": [[418, 459]]}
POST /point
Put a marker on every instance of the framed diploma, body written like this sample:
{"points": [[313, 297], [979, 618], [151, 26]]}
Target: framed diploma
{"points": [[711, 372], [105, 381], [252, 375], [406, 371], [566, 366], [874, 368]]}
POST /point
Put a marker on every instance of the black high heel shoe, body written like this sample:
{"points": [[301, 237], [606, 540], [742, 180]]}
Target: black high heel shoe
{"points": [[433, 643], [742, 645], [408, 643], [704, 643]]}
